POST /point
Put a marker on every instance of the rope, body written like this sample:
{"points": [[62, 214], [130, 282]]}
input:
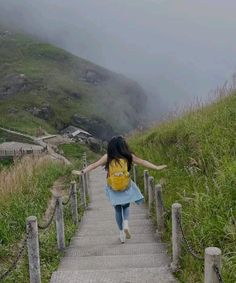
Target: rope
{"points": [[71, 194], [14, 263], [42, 227], [194, 254], [189, 248], [217, 271]]}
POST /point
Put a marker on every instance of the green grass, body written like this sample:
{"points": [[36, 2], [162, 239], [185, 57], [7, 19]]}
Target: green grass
{"points": [[7, 137], [30, 202], [13, 213], [33, 199], [74, 152], [49, 254], [200, 151], [5, 163]]}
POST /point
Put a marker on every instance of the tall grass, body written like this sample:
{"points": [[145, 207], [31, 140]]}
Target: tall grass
{"points": [[21, 177], [200, 151], [25, 190]]}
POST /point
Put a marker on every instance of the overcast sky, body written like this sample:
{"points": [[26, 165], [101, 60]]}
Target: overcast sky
{"points": [[177, 49]]}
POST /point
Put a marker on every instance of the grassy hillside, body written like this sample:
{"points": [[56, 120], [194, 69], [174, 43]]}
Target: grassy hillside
{"points": [[28, 194], [21, 196], [200, 151], [44, 86]]}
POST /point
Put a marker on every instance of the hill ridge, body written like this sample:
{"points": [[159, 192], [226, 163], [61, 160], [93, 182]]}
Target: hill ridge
{"points": [[45, 86]]}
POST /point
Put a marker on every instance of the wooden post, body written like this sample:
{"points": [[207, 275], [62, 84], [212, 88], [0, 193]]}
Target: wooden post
{"points": [[135, 173], [87, 183], [85, 164], [83, 191], [33, 249], [212, 257], [176, 235], [159, 209], [73, 202], [145, 180], [150, 194], [60, 224]]}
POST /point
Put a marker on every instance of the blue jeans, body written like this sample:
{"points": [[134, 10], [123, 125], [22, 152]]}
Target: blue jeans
{"points": [[122, 213]]}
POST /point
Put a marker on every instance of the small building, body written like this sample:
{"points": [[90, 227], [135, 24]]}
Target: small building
{"points": [[75, 133]]}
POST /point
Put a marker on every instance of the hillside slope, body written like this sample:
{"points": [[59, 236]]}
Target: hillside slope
{"points": [[200, 151], [44, 86]]}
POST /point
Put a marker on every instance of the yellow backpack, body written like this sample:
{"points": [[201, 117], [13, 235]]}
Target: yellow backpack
{"points": [[118, 175]]}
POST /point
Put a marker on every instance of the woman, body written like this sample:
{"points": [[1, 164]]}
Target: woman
{"points": [[120, 189]]}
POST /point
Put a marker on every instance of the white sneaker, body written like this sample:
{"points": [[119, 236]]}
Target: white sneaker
{"points": [[122, 236], [126, 229]]}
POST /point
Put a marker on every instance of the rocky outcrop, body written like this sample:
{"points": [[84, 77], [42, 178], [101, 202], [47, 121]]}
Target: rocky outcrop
{"points": [[94, 77], [98, 127], [4, 34], [94, 144], [44, 112], [13, 84]]}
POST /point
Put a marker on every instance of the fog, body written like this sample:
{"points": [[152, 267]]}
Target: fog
{"points": [[177, 50]]}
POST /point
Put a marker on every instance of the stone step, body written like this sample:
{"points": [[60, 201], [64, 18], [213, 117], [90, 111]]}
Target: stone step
{"points": [[132, 205], [114, 239], [112, 230], [113, 262], [134, 275], [101, 250], [108, 222], [95, 254], [145, 223], [106, 202], [110, 216], [108, 209]]}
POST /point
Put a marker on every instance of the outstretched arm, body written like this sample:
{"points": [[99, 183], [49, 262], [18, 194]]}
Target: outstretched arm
{"points": [[102, 161], [147, 164]]}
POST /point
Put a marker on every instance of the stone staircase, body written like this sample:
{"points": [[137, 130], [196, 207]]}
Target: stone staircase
{"points": [[96, 255]]}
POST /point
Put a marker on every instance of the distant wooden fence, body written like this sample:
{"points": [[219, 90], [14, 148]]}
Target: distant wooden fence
{"points": [[212, 257], [22, 152]]}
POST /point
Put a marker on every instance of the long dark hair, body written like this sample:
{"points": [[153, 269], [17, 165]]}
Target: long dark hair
{"points": [[118, 149]]}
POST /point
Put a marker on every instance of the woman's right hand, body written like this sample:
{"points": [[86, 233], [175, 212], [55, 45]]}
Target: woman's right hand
{"points": [[160, 167]]}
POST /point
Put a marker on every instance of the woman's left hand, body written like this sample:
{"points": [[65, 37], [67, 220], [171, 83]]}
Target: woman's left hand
{"points": [[160, 167], [76, 172]]}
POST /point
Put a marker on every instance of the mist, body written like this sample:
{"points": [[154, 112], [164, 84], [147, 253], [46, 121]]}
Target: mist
{"points": [[177, 50]]}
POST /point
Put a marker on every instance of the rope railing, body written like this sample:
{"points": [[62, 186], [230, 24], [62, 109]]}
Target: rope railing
{"points": [[186, 242], [69, 198], [16, 260], [212, 257], [31, 238], [45, 226], [217, 271]]}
